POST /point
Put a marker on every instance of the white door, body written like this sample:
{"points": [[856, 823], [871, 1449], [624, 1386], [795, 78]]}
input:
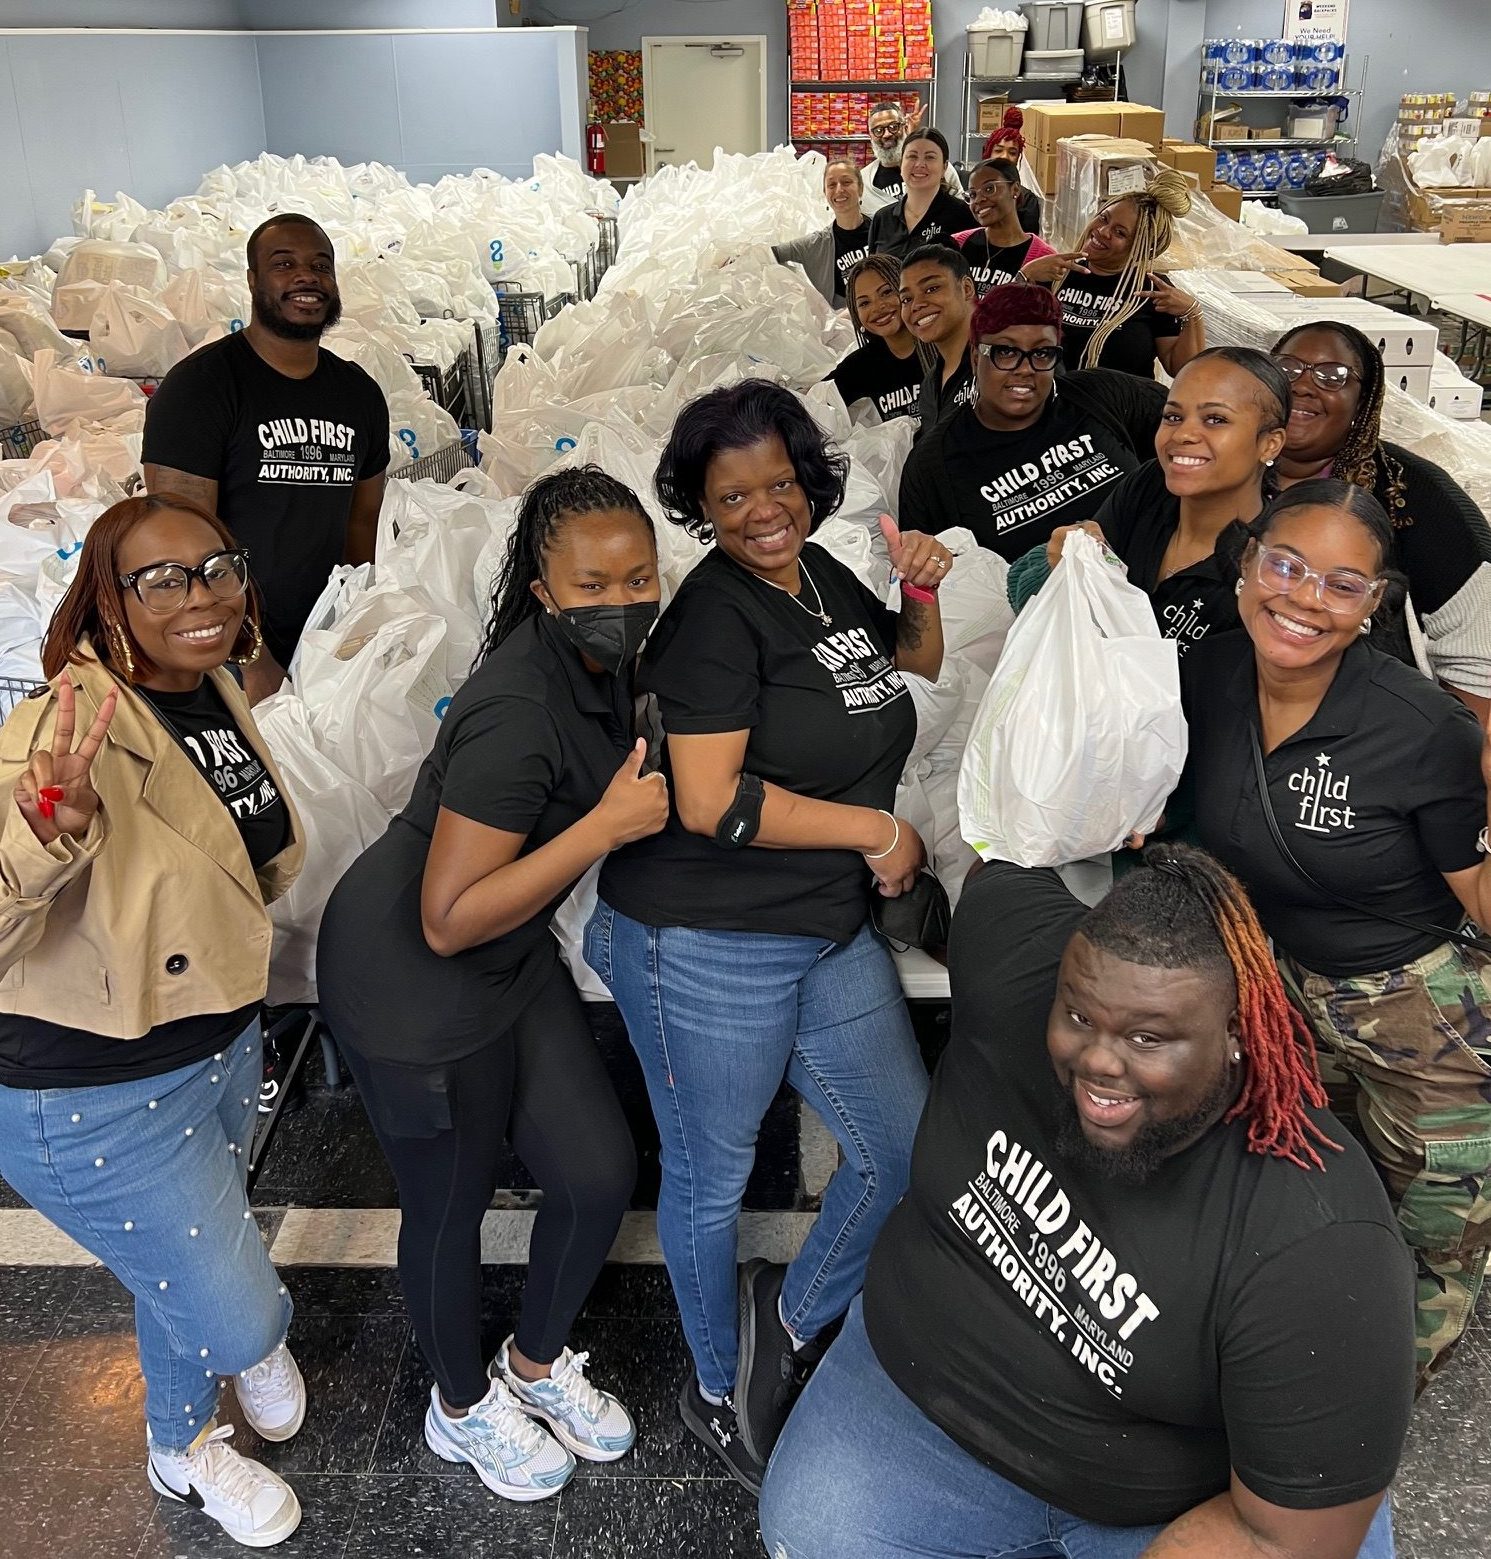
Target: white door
{"points": [[699, 93]]}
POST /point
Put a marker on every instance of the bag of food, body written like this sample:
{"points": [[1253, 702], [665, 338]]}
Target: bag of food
{"points": [[1079, 739]]}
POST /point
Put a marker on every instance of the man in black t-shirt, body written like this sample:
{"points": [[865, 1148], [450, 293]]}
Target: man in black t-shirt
{"points": [[1143, 1295], [285, 442]]}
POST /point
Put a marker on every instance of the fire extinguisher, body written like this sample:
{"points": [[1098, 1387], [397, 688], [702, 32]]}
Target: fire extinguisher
{"points": [[595, 149]]}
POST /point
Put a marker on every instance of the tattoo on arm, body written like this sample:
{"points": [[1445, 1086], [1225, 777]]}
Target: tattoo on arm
{"points": [[911, 624]]}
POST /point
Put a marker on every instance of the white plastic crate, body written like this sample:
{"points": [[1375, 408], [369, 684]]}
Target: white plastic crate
{"points": [[994, 52], [1108, 27]]}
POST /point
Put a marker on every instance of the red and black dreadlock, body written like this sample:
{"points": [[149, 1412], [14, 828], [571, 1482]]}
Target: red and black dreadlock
{"points": [[1150, 917]]}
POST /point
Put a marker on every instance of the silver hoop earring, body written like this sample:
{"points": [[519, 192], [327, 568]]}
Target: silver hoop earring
{"points": [[1237, 588], [1237, 1055], [1366, 626]]}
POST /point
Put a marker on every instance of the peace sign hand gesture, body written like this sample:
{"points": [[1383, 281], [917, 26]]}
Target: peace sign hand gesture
{"points": [[55, 792]]}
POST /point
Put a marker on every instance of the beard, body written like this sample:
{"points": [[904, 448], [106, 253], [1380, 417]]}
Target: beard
{"points": [[889, 156], [268, 313], [1136, 1163]]}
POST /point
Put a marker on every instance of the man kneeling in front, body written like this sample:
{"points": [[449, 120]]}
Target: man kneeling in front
{"points": [[1144, 1296]]}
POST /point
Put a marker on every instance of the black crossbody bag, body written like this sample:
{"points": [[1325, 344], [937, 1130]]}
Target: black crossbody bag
{"points": [[1479, 944], [920, 917]]}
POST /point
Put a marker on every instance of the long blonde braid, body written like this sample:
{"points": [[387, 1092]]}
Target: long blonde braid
{"points": [[1156, 207]]}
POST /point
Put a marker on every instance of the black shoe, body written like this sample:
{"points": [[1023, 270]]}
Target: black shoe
{"points": [[767, 1378], [717, 1428]]}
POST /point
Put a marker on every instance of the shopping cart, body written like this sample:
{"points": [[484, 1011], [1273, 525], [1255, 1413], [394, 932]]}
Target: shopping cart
{"points": [[440, 465], [607, 247], [447, 387], [13, 690], [520, 315], [484, 363], [17, 442]]}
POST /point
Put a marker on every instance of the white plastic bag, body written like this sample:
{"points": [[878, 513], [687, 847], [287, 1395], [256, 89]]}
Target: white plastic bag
{"points": [[1079, 739], [66, 394], [340, 819], [136, 337], [377, 685]]}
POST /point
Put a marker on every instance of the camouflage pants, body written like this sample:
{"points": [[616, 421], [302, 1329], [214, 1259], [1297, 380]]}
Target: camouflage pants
{"points": [[1411, 1050]]}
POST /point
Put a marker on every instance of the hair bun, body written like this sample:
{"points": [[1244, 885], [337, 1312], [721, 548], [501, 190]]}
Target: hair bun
{"points": [[1014, 119], [1170, 192]]}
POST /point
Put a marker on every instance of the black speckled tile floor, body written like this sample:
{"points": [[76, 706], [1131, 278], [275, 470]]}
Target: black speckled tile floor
{"points": [[72, 1483]]}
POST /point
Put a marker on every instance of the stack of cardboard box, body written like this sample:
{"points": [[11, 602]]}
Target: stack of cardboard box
{"points": [[1199, 163], [860, 40], [1048, 124]]}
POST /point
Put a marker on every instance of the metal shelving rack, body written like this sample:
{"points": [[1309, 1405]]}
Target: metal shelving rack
{"points": [[971, 84], [1206, 103], [925, 86]]}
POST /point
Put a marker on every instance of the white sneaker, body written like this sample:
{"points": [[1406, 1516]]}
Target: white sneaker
{"points": [[251, 1504], [272, 1396], [585, 1420], [511, 1455]]}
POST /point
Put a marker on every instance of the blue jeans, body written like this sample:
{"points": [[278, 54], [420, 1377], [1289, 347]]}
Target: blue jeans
{"points": [[718, 1019], [149, 1177], [862, 1473]]}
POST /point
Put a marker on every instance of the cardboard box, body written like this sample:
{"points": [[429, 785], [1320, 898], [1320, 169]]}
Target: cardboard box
{"points": [[1414, 382], [991, 113], [1455, 397], [1227, 200], [1229, 132], [1190, 158], [1048, 123], [1466, 225], [1140, 123], [624, 154], [1308, 284], [1266, 133]]}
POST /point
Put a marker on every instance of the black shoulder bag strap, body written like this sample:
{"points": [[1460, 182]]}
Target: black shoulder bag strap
{"points": [[1462, 938]]}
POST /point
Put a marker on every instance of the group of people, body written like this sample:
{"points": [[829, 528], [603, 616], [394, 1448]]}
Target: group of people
{"points": [[1118, 1280]]}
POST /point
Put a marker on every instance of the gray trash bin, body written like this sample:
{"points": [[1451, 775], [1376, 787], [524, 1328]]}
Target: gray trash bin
{"points": [[1334, 213], [1054, 24]]}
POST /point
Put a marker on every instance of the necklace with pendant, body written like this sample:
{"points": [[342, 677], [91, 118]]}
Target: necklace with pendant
{"points": [[820, 614]]}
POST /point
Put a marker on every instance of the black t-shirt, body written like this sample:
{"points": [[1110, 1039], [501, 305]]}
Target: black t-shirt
{"points": [[215, 743], [937, 402], [828, 716], [994, 265], [888, 181], [1447, 537], [528, 746], [1013, 489], [287, 455], [1114, 1349], [851, 245], [873, 372], [1378, 796], [1086, 302], [1139, 516], [944, 217], [38, 1054]]}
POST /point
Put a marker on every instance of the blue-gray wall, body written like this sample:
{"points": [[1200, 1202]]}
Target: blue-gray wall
{"points": [[429, 104], [147, 114]]}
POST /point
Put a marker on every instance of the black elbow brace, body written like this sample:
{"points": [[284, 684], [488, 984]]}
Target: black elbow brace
{"points": [[742, 818]]}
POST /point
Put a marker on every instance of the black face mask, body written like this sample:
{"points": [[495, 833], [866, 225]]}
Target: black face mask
{"points": [[610, 635]]}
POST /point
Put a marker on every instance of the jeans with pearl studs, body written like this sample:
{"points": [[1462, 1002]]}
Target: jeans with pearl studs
{"points": [[149, 1177]]}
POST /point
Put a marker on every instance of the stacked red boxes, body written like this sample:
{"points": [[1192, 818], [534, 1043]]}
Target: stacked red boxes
{"points": [[916, 31], [859, 23], [889, 25], [802, 39], [833, 41]]}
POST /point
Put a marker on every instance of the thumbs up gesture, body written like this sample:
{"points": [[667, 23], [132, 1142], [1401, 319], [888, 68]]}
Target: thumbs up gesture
{"points": [[918, 561], [634, 805]]}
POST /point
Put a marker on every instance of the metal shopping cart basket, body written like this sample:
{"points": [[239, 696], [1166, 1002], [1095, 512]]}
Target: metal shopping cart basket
{"points": [[440, 465], [605, 252], [447, 387], [520, 315], [17, 442], [484, 363], [13, 690]]}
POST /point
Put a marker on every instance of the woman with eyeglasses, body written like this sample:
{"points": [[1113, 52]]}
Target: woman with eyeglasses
{"points": [[1176, 521], [1031, 452], [886, 368], [999, 245], [1363, 849], [926, 213], [1441, 540], [832, 252], [147, 834]]}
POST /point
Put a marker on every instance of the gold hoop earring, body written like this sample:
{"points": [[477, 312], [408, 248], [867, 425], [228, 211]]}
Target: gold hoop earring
{"points": [[120, 652], [258, 645]]}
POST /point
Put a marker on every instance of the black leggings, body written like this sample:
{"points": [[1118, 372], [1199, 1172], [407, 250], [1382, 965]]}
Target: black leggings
{"points": [[543, 1086]]}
